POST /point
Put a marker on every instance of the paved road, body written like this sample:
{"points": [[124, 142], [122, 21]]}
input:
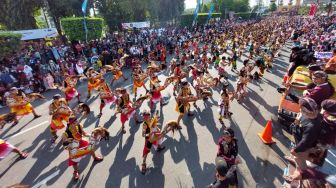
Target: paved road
{"points": [[187, 161]]}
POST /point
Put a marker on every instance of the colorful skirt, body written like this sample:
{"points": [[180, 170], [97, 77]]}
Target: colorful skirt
{"points": [[5, 148], [22, 110], [75, 158], [125, 116], [94, 85], [156, 96], [110, 100], [138, 84], [70, 94], [117, 75]]}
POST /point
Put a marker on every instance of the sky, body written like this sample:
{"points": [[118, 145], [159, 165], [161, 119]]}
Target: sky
{"points": [[192, 3]]}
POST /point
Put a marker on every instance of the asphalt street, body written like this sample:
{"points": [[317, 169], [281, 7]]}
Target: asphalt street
{"points": [[187, 161]]}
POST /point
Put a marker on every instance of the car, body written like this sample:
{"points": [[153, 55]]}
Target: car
{"points": [[288, 109]]}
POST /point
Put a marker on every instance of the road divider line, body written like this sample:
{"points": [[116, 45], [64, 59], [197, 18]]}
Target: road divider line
{"points": [[27, 130]]}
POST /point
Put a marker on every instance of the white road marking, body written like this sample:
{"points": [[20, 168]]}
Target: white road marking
{"points": [[45, 180], [27, 130]]}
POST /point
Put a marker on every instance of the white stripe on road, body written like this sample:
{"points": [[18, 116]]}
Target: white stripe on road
{"points": [[27, 130], [45, 180]]}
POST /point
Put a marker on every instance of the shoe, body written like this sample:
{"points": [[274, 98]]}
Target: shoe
{"points": [[15, 123], [281, 89], [98, 158], [53, 139], [23, 155], [143, 168], [161, 148], [179, 127], [37, 116], [100, 115], [76, 175], [123, 131], [89, 96]]}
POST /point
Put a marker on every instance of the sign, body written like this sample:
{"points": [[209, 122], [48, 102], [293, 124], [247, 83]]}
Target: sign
{"points": [[37, 33], [323, 55], [135, 24]]}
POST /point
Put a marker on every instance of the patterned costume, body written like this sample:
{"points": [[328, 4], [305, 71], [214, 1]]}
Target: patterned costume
{"points": [[5, 148], [19, 104], [70, 90], [95, 80], [106, 97]]}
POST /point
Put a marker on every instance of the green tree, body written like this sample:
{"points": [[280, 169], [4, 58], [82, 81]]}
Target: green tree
{"points": [[19, 14], [10, 42], [273, 7], [204, 8], [62, 8]]}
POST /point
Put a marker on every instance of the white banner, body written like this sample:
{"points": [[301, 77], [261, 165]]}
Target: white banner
{"points": [[323, 55], [135, 24], [37, 33]]}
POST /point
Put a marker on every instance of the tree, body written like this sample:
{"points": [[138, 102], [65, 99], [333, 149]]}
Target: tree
{"points": [[62, 8], [204, 8], [19, 14], [10, 42], [74, 28], [273, 7]]}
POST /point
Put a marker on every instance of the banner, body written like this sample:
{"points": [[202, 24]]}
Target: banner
{"points": [[84, 5], [313, 10], [37, 33], [323, 55], [212, 8], [196, 10], [136, 25]]}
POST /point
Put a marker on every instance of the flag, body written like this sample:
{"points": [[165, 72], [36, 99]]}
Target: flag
{"points": [[211, 10], [84, 5], [197, 9], [313, 10]]}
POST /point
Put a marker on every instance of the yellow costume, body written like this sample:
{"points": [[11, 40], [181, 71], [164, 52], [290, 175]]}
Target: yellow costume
{"points": [[19, 105]]}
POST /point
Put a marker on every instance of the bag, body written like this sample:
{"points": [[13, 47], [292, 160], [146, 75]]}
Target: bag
{"points": [[296, 131]]}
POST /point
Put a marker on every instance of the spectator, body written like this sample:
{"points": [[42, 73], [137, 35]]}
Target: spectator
{"points": [[222, 179], [310, 124]]}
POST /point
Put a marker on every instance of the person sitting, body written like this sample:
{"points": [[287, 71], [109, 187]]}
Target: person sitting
{"points": [[319, 90]]}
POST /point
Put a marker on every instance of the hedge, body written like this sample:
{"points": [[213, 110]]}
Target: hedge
{"points": [[73, 28], [9, 43], [246, 15], [187, 19]]}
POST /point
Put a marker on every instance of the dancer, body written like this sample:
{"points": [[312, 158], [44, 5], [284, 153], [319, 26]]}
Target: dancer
{"points": [[78, 146], [149, 131], [19, 103], [224, 104], [138, 80], [95, 80], [6, 148], [241, 90], [125, 108], [70, 90], [60, 113], [106, 97], [182, 101]]}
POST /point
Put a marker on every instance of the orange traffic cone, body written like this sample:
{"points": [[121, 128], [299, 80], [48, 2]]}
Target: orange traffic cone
{"points": [[266, 134]]}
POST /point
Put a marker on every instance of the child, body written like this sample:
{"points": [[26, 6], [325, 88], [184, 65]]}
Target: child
{"points": [[224, 104]]}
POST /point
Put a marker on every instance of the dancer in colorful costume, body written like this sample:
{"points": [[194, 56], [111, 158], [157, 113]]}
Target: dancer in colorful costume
{"points": [[60, 113], [78, 146], [19, 103], [6, 148]]}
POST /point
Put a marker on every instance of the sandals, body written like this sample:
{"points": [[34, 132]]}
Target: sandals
{"points": [[37, 116], [23, 155], [76, 175], [15, 123], [160, 148], [143, 168], [53, 139], [98, 158]]}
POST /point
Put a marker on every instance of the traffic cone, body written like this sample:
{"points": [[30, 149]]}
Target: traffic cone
{"points": [[266, 134]]}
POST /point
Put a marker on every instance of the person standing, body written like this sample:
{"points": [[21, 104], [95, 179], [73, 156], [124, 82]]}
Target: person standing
{"points": [[223, 180]]}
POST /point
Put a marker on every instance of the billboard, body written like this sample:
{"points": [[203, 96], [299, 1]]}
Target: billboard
{"points": [[37, 33], [135, 24]]}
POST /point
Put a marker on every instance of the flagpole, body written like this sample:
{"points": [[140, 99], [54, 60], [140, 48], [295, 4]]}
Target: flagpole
{"points": [[84, 5]]}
